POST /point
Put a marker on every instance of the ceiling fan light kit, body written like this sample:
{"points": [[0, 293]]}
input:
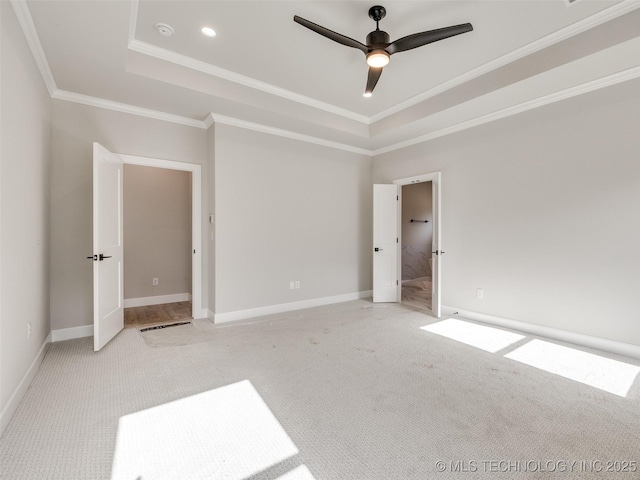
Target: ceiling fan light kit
{"points": [[378, 58], [379, 49]]}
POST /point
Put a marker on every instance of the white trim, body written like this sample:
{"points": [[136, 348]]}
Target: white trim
{"points": [[17, 395], [612, 346], [204, 313], [208, 121], [133, 20], [126, 108], [236, 122], [599, 18], [603, 82], [197, 279], [71, 333], [33, 40], [214, 71], [157, 300], [287, 307]]}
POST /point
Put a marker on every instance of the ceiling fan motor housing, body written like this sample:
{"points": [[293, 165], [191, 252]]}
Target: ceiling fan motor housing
{"points": [[378, 39]]}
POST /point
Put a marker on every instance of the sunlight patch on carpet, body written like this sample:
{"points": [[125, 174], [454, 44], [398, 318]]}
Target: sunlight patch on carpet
{"points": [[486, 338], [228, 432], [600, 372]]}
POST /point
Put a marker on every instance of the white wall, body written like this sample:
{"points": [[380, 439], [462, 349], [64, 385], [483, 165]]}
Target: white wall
{"points": [[157, 231], [288, 211], [542, 211], [25, 113], [75, 127]]}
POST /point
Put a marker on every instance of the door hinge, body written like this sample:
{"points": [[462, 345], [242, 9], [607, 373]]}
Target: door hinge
{"points": [[397, 198], [396, 239], [396, 282]]}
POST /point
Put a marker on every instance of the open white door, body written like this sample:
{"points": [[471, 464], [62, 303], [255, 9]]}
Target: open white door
{"points": [[108, 313], [436, 252], [385, 243]]}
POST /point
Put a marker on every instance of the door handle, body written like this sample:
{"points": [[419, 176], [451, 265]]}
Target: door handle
{"points": [[438, 252], [101, 258], [378, 249]]}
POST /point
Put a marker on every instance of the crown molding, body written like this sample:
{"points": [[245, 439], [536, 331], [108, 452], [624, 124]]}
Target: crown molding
{"points": [[33, 40], [204, 67], [133, 20], [126, 108], [615, 11], [257, 127], [599, 18], [26, 23], [603, 82]]}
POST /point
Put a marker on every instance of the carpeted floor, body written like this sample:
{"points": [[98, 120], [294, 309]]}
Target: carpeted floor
{"points": [[346, 391]]}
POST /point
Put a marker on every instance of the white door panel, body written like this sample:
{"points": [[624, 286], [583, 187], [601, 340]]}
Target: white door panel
{"points": [[108, 312], [385, 243]]}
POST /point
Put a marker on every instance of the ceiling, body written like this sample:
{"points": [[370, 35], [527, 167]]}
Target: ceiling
{"points": [[266, 72]]}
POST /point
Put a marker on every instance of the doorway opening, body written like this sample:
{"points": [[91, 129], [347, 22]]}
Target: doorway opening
{"points": [[157, 245], [192, 307], [416, 232], [425, 236]]}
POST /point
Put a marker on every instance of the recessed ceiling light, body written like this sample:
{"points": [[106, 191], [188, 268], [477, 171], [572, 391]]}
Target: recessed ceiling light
{"points": [[164, 29], [208, 31], [367, 94]]}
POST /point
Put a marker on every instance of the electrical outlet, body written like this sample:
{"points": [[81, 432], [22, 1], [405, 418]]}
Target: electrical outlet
{"points": [[480, 294], [297, 283], [28, 330], [292, 285], [155, 282]]}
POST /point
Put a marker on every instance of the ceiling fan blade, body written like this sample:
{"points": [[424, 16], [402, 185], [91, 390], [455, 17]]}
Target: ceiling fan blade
{"points": [[330, 34], [372, 79], [423, 38]]}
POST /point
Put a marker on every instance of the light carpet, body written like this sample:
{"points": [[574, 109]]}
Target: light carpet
{"points": [[346, 391]]}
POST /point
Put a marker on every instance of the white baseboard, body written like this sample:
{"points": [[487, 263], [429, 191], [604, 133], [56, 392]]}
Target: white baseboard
{"points": [[611, 346], [157, 300], [16, 397], [63, 334], [287, 307]]}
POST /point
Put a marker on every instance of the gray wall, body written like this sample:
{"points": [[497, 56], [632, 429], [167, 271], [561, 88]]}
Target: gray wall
{"points": [[285, 211], [417, 237], [542, 211], [157, 231], [75, 127], [25, 110]]}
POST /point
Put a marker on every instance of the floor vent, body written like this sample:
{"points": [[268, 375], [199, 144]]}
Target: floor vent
{"points": [[158, 327]]}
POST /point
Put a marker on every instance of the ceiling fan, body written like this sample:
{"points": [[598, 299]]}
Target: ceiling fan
{"points": [[378, 48]]}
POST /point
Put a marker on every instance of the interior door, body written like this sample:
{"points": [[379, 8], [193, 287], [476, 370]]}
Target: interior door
{"points": [[385, 243], [436, 252], [108, 312]]}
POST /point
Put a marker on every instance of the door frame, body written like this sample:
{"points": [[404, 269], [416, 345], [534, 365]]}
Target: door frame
{"points": [[436, 179], [196, 220]]}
